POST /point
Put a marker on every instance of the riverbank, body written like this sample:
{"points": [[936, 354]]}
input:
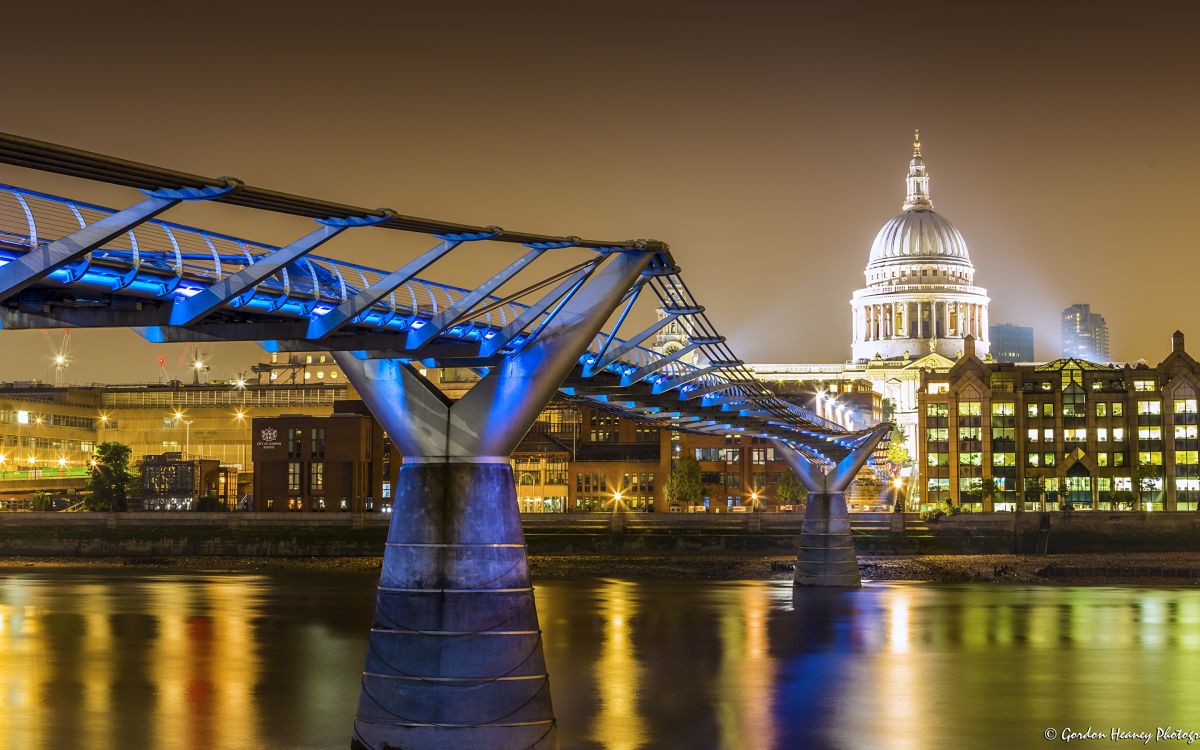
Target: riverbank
{"points": [[1148, 568]]}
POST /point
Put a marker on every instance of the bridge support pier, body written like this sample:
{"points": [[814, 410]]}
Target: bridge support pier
{"points": [[826, 556], [455, 656]]}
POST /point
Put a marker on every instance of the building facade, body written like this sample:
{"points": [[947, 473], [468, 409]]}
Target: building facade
{"points": [[339, 463], [1011, 343], [171, 482], [1096, 436], [1084, 334], [920, 296]]}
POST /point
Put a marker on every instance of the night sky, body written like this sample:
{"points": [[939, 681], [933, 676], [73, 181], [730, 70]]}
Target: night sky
{"points": [[766, 142]]}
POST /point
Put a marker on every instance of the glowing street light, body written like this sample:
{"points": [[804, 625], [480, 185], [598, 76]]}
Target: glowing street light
{"points": [[239, 415], [62, 462], [240, 383]]}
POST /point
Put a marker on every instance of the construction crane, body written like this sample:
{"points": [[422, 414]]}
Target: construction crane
{"points": [[60, 355]]}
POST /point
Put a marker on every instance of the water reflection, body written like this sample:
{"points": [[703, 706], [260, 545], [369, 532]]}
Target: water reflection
{"points": [[124, 659]]}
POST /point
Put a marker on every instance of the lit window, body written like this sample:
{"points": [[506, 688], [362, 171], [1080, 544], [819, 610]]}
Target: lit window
{"points": [[1185, 406], [1185, 432], [1118, 409], [1003, 409], [1101, 434], [969, 409], [1149, 433], [1143, 385], [1101, 409], [1102, 459], [1031, 410], [1118, 434], [1048, 435], [939, 388], [1032, 435], [1149, 407]]}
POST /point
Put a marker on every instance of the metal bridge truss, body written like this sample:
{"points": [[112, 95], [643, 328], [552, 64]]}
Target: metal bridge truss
{"points": [[66, 263]]}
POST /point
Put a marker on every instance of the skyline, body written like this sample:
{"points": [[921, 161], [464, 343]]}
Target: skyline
{"points": [[1058, 147]]}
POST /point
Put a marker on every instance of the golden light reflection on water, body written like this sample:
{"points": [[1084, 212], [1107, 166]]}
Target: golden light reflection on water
{"points": [[618, 724], [746, 677], [96, 660]]}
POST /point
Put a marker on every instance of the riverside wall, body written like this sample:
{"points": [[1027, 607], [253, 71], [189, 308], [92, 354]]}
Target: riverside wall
{"points": [[344, 534]]}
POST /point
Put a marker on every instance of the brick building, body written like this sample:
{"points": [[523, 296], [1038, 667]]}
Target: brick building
{"points": [[1097, 436]]}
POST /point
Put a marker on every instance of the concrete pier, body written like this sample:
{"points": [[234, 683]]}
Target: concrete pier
{"points": [[455, 652], [826, 556]]}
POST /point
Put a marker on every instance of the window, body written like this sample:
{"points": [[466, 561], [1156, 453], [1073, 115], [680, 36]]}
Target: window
{"points": [[1004, 459], [1149, 458], [937, 410], [1185, 432], [970, 433], [316, 476], [1003, 409], [762, 455], [294, 477], [1185, 406], [938, 459], [1187, 458], [1074, 401], [1149, 407], [1048, 435], [1149, 433], [1118, 409], [295, 440], [1118, 459], [1031, 434], [1047, 410], [1075, 435], [1032, 459], [1118, 434], [970, 459], [937, 434], [318, 442], [969, 408], [936, 388], [1101, 409], [1102, 459], [1143, 385], [1049, 459], [1031, 411]]}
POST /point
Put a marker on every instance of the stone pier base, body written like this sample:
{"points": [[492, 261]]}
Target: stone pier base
{"points": [[455, 653], [826, 556]]}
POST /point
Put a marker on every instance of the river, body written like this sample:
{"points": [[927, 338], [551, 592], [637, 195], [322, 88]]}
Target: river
{"points": [[131, 658]]}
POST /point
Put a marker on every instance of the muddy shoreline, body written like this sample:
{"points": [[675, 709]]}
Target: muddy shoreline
{"points": [[1172, 568]]}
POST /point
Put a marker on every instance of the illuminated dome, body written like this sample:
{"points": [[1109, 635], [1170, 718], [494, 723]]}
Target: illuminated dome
{"points": [[918, 233], [920, 295]]}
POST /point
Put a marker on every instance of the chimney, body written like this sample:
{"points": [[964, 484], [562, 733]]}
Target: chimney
{"points": [[1177, 342], [969, 346]]}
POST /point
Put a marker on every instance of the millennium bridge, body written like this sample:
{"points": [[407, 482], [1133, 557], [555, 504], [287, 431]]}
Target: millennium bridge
{"points": [[455, 656]]}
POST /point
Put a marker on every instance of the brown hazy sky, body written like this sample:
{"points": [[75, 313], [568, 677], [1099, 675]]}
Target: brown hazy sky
{"points": [[767, 142]]}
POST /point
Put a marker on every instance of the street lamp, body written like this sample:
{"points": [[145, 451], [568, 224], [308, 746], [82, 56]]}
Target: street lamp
{"points": [[187, 432]]}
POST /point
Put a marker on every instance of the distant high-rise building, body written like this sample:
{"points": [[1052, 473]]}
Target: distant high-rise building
{"points": [[1011, 343], [1084, 334]]}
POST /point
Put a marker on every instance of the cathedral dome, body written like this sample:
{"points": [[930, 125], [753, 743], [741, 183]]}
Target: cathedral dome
{"points": [[916, 235], [920, 295]]}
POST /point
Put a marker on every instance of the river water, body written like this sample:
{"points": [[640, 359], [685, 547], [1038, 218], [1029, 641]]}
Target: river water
{"points": [[128, 658]]}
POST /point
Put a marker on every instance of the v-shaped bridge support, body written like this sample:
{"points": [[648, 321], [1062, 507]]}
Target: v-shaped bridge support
{"points": [[455, 654], [826, 556]]}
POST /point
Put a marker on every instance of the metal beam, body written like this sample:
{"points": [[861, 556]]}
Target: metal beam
{"points": [[632, 343], [351, 308], [188, 310], [670, 384], [40, 262], [418, 337]]}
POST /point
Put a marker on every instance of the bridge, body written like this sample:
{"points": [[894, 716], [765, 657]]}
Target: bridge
{"points": [[455, 655]]}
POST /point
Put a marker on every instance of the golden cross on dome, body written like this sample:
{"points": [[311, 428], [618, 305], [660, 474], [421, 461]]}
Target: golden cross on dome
{"points": [[917, 142]]}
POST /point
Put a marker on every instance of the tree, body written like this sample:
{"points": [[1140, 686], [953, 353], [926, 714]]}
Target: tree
{"points": [[1146, 483], [897, 454], [789, 490], [43, 502], [683, 485], [108, 488], [985, 487]]}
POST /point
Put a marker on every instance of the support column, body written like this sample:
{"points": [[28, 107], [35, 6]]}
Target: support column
{"points": [[826, 556], [455, 659]]}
